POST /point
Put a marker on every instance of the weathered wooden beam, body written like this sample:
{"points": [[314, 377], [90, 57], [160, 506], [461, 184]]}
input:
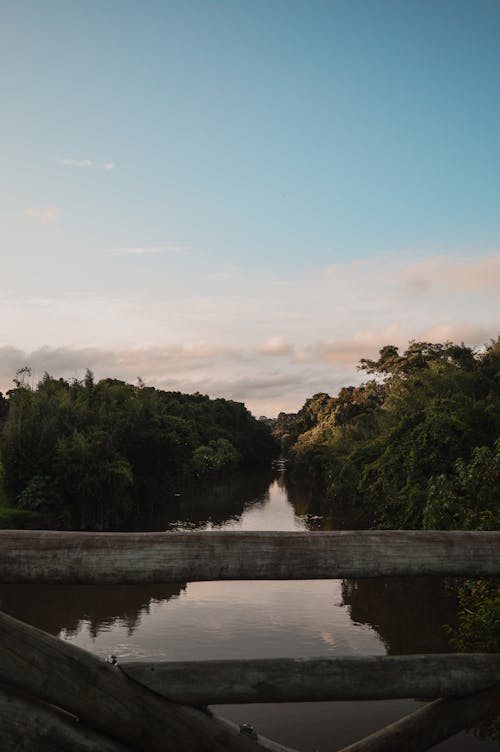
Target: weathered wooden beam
{"points": [[431, 724], [225, 682], [31, 726], [50, 556], [104, 697], [268, 744]]}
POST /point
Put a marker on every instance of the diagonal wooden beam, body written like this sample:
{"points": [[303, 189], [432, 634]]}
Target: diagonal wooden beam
{"points": [[431, 724], [33, 726], [104, 698]]}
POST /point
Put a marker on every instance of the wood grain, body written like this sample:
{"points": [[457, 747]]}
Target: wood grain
{"points": [[225, 682], [50, 556]]}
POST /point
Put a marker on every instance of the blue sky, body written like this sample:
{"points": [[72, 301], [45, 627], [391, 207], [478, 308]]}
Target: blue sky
{"points": [[246, 197]]}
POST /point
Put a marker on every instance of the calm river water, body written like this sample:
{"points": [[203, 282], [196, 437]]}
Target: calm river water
{"points": [[204, 620]]}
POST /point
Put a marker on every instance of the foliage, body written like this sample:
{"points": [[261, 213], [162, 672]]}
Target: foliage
{"points": [[218, 456], [91, 454], [419, 447], [478, 627], [416, 443], [467, 498]]}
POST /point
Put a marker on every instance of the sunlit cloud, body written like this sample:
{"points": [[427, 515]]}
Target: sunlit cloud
{"points": [[243, 336], [458, 275], [458, 331], [276, 346], [46, 215]]}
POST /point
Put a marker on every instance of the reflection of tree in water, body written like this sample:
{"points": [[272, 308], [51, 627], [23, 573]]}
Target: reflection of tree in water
{"points": [[215, 502], [54, 608], [318, 512], [407, 612]]}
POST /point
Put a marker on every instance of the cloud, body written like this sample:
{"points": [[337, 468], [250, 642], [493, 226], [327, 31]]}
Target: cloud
{"points": [[77, 162], [148, 250], [268, 341], [46, 215], [276, 346], [233, 373], [88, 163], [150, 363], [456, 275], [458, 331], [347, 353]]}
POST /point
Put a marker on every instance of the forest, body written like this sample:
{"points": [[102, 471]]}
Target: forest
{"points": [[417, 445], [91, 455]]}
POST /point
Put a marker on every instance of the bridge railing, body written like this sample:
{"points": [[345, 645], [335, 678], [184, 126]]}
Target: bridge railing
{"points": [[162, 706]]}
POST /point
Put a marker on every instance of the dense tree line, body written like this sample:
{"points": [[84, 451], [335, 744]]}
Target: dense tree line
{"points": [[417, 444], [90, 455]]}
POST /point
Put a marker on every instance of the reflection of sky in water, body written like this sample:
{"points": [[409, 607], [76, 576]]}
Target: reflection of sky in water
{"points": [[205, 620], [271, 512], [239, 619]]}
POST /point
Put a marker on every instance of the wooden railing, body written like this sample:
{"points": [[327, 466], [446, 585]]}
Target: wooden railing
{"points": [[55, 696]]}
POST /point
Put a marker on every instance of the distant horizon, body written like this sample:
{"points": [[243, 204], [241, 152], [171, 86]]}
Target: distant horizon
{"points": [[244, 199], [358, 376]]}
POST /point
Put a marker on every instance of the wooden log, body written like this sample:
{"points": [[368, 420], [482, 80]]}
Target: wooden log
{"points": [[431, 724], [50, 556], [104, 697], [268, 744], [30, 726], [226, 682]]}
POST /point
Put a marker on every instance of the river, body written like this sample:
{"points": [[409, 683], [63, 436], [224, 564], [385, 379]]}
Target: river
{"points": [[204, 620]]}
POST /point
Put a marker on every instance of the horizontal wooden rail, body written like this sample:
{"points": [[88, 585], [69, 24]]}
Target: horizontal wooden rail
{"points": [[50, 556], [220, 682]]}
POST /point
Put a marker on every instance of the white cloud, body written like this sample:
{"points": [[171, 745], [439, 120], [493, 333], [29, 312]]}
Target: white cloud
{"points": [[88, 163], [77, 162], [46, 215]]}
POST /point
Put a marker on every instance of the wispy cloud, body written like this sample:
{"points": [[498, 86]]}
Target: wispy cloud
{"points": [[456, 275], [88, 163], [77, 162], [45, 215], [144, 250]]}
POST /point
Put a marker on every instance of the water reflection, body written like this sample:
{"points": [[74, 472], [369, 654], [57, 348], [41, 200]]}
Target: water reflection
{"points": [[216, 504], [63, 608], [205, 620], [394, 615], [407, 612]]}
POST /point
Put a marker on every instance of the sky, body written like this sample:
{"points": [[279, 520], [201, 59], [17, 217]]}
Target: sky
{"points": [[245, 197]]}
